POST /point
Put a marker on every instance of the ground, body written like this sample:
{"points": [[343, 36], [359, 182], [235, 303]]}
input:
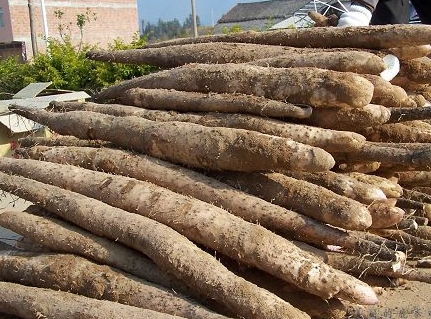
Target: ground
{"points": [[412, 301]]}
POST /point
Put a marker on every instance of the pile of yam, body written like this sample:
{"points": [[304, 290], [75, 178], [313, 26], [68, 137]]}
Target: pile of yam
{"points": [[255, 175]]}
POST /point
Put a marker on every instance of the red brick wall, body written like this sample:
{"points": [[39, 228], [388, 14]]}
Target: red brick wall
{"points": [[114, 19], [6, 31]]}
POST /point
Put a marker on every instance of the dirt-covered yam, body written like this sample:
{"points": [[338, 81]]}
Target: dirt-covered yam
{"points": [[385, 214], [348, 119], [184, 101], [33, 303], [342, 184], [329, 140], [397, 133], [387, 94], [187, 143], [63, 237], [191, 183], [200, 222], [387, 154], [171, 251], [352, 61], [390, 187], [302, 196], [417, 70], [371, 37], [311, 86], [78, 275]]}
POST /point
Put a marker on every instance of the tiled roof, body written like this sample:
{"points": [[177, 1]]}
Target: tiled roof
{"points": [[275, 9]]}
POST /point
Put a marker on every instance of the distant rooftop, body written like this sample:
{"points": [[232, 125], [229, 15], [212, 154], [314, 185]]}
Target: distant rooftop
{"points": [[265, 10]]}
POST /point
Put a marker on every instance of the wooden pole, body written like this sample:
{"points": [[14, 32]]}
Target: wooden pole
{"points": [[32, 30]]}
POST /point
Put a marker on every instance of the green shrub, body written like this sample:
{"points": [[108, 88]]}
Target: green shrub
{"points": [[13, 76], [69, 69], [233, 29], [66, 65]]}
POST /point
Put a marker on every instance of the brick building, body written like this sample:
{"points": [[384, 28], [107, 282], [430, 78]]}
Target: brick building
{"points": [[113, 19]]}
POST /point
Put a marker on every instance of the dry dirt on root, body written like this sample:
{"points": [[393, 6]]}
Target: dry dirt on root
{"points": [[410, 301]]}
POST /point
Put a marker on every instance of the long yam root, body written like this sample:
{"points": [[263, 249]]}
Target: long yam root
{"points": [[385, 214], [390, 187], [387, 94], [184, 181], [387, 154], [397, 133], [417, 70], [342, 184], [184, 101], [177, 55], [301, 196], [409, 114], [190, 217], [348, 119], [352, 61], [78, 275], [63, 237], [187, 143], [170, 250], [312, 86], [61, 140], [31, 303], [329, 140], [371, 37]]}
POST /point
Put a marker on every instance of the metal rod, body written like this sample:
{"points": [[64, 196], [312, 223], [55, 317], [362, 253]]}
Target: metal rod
{"points": [[195, 24], [44, 20]]}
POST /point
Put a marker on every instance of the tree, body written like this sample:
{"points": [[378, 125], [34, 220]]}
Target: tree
{"points": [[188, 23], [165, 30]]}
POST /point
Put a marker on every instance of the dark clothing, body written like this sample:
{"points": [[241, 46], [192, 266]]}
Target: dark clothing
{"points": [[370, 4], [423, 9], [391, 12], [396, 11]]}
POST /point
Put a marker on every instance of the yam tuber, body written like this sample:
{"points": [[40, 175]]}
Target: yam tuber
{"points": [[176, 55], [329, 140], [417, 70], [187, 143], [371, 37], [60, 140], [63, 237], [342, 184], [77, 275], [33, 303], [302, 196], [352, 61], [184, 181], [387, 94], [306, 85], [348, 119], [409, 114], [391, 188], [387, 154], [385, 214], [396, 133], [170, 250], [193, 218], [183, 101]]}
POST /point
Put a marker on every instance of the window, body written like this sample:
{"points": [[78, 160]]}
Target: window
{"points": [[1, 18]]}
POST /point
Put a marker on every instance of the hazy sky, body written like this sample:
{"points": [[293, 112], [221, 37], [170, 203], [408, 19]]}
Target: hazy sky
{"points": [[209, 11]]}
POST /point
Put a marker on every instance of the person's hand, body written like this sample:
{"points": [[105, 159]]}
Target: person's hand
{"points": [[357, 16]]}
